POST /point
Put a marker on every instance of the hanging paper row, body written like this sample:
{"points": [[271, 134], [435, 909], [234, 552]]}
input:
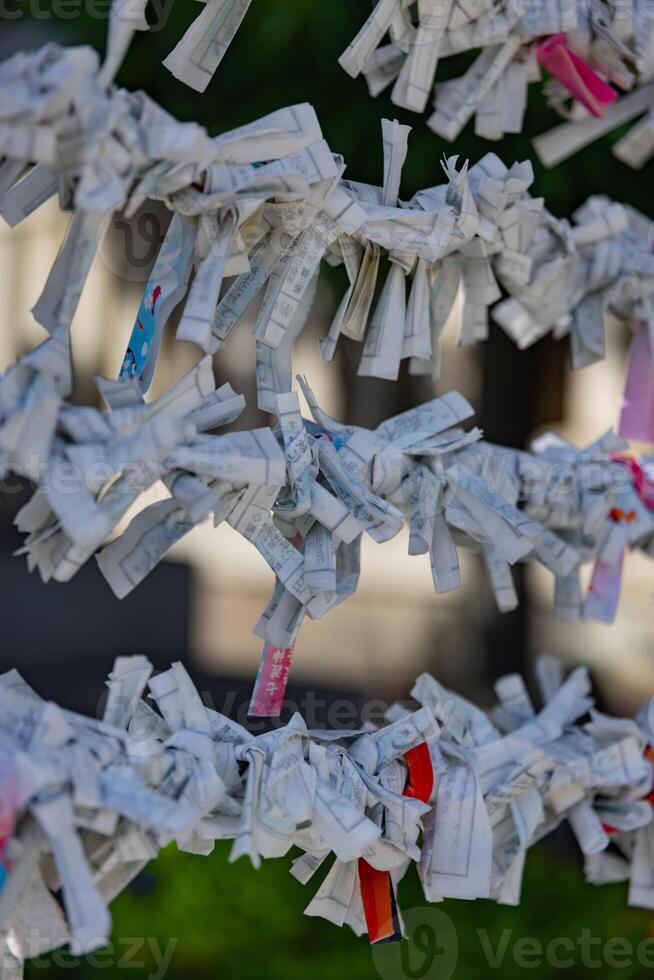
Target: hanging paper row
{"points": [[88, 802], [595, 59]]}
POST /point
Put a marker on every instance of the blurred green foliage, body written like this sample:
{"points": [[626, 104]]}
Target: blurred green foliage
{"points": [[231, 921]]}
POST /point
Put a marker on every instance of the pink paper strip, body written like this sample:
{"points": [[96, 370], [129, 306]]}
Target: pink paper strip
{"points": [[8, 808], [642, 481], [270, 686], [637, 416], [581, 81]]}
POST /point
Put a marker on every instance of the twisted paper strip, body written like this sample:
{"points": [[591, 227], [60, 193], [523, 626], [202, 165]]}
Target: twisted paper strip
{"points": [[304, 493], [267, 202], [591, 49], [89, 801]]}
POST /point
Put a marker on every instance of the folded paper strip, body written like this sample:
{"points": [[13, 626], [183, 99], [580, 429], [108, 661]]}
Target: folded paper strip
{"points": [[198, 54]]}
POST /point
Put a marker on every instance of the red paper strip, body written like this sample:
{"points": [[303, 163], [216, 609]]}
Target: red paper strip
{"points": [[421, 773], [379, 904], [377, 893]]}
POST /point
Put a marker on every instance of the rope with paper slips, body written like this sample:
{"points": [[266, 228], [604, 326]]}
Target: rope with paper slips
{"points": [[304, 493], [589, 50], [600, 603], [271, 225], [87, 802]]}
